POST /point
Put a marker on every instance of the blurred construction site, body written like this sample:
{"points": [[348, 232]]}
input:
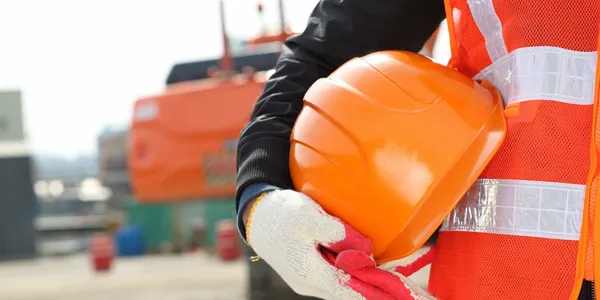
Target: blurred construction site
{"points": [[118, 131]]}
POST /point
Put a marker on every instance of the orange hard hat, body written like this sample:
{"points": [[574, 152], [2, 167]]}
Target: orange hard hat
{"points": [[390, 142]]}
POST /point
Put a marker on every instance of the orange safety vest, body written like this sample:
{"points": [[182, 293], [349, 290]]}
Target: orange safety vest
{"points": [[525, 229]]}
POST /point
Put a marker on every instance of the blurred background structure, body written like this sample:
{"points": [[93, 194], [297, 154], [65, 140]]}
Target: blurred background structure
{"points": [[118, 129]]}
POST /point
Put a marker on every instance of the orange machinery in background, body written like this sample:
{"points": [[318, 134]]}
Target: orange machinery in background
{"points": [[183, 141]]}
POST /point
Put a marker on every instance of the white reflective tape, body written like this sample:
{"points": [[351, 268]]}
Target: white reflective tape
{"points": [[548, 73], [523, 208], [14, 149], [533, 73], [490, 27]]}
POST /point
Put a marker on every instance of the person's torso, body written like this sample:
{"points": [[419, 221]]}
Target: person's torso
{"points": [[516, 234]]}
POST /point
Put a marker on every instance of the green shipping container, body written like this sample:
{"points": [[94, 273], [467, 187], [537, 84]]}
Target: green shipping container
{"points": [[155, 220], [173, 222], [214, 211], [185, 216]]}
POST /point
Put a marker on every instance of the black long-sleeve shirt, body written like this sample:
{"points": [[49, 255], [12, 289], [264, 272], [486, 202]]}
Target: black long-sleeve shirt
{"points": [[337, 31]]}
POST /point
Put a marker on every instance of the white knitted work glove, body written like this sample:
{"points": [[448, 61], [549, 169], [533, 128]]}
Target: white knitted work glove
{"points": [[318, 255]]}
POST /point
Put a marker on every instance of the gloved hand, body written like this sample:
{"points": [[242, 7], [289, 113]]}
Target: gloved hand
{"points": [[318, 255]]}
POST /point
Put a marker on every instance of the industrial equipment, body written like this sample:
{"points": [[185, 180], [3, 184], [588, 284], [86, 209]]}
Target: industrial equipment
{"points": [[183, 141]]}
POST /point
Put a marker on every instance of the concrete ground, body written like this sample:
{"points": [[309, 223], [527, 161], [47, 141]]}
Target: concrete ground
{"points": [[187, 277]]}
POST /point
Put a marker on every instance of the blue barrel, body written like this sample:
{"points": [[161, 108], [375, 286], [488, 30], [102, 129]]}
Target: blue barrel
{"points": [[130, 241]]}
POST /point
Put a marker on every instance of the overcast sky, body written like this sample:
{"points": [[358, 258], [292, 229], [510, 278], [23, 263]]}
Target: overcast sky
{"points": [[82, 63]]}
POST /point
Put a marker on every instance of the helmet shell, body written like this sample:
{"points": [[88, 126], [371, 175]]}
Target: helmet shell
{"points": [[390, 142]]}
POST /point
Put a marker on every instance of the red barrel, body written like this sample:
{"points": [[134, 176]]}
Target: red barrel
{"points": [[102, 252], [227, 240]]}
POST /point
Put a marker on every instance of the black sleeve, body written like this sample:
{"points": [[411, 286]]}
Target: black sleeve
{"points": [[337, 31]]}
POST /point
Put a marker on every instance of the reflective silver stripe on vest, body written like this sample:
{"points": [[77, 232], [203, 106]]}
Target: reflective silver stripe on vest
{"points": [[519, 207], [548, 73], [533, 73], [490, 27]]}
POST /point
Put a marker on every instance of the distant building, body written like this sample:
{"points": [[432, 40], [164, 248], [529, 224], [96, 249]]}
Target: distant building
{"points": [[69, 170], [112, 160], [17, 210]]}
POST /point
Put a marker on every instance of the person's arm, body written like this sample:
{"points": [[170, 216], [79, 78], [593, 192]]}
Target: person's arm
{"points": [[337, 31]]}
